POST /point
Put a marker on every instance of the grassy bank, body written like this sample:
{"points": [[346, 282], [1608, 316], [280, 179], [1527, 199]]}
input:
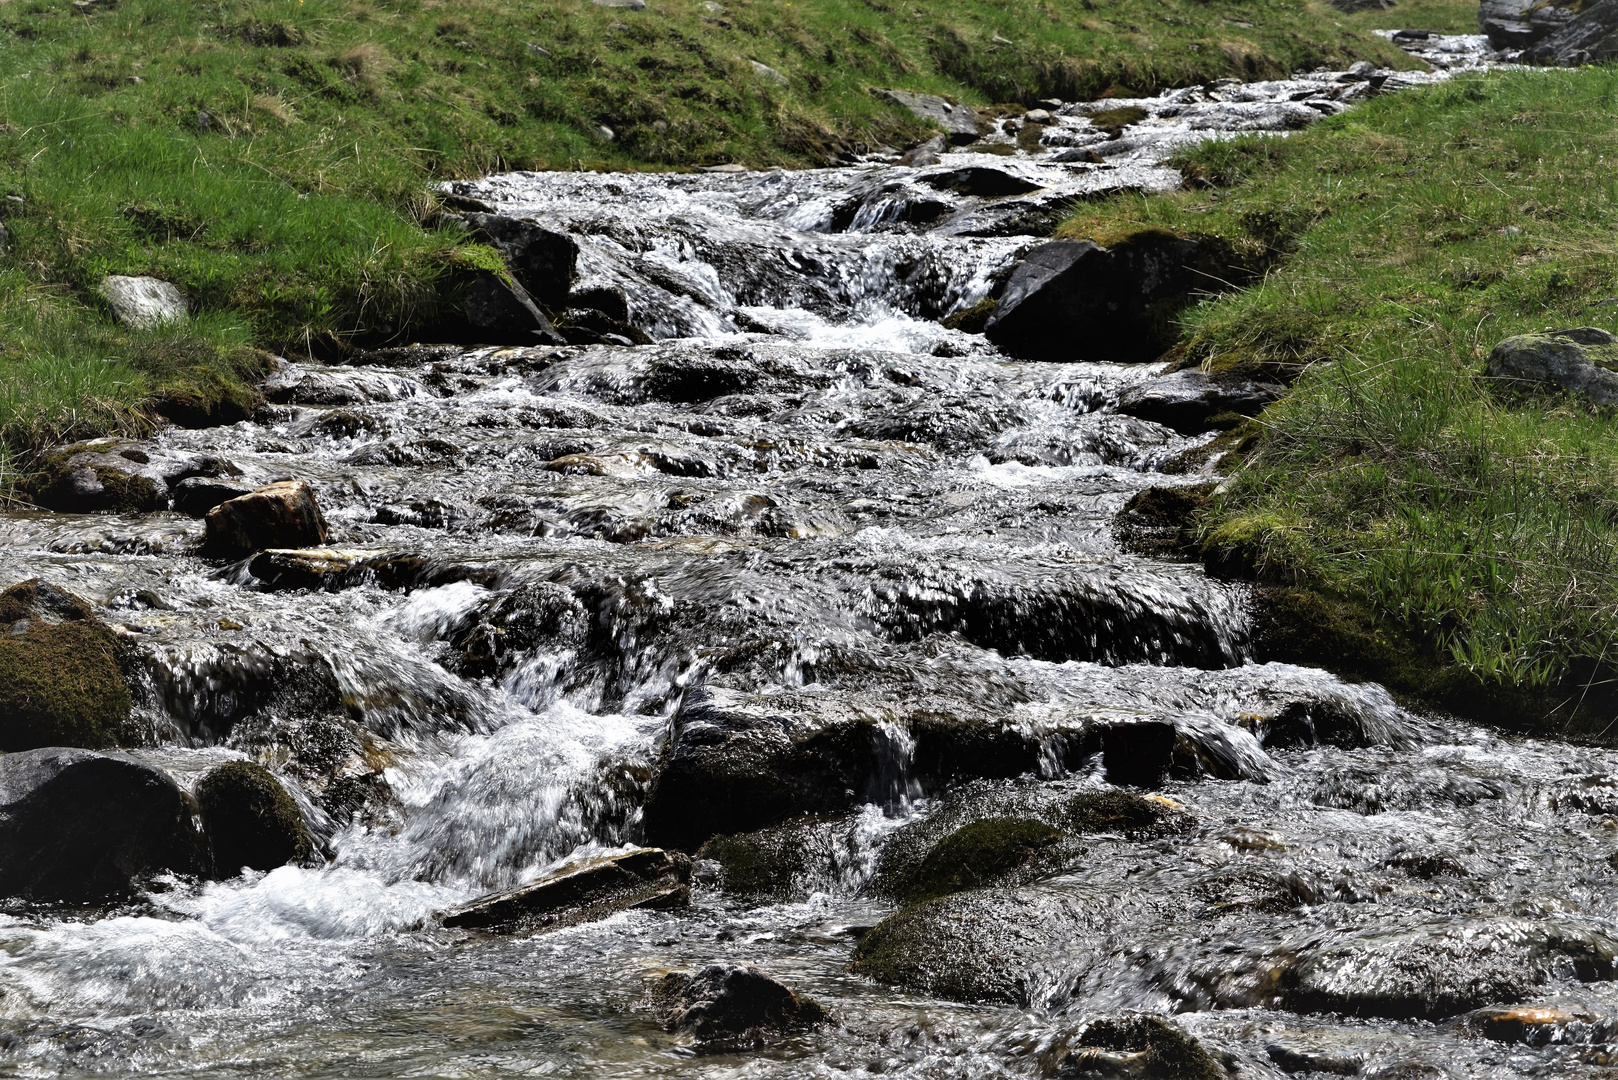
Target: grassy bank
{"points": [[275, 159], [1411, 235]]}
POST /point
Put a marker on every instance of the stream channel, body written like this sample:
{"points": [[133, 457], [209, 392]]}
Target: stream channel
{"points": [[806, 499]]}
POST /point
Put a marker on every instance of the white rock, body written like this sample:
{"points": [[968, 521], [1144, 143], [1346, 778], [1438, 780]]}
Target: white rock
{"points": [[142, 301], [631, 5], [769, 74]]}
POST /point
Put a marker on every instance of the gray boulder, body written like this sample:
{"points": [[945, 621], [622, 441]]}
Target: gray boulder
{"points": [[1583, 360], [78, 826], [143, 302], [959, 122], [584, 892], [1590, 38], [1517, 24], [1187, 400], [196, 495], [118, 475]]}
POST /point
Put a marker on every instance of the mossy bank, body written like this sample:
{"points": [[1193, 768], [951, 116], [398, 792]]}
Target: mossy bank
{"points": [[1433, 515]]}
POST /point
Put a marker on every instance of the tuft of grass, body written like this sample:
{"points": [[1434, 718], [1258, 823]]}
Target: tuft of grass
{"points": [[1410, 236]]}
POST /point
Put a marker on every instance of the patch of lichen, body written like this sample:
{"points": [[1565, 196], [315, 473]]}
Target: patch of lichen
{"points": [[60, 685], [251, 820], [973, 856]]}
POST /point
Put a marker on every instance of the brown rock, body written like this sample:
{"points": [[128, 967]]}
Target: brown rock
{"points": [[279, 515], [335, 568], [1527, 1023], [584, 892]]}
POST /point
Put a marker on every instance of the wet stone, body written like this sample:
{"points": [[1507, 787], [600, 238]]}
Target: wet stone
{"points": [[336, 568], [734, 1005], [279, 515], [647, 878]]}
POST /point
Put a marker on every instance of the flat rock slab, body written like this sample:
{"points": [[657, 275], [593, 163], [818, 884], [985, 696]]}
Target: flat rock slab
{"points": [[583, 892], [1188, 400], [960, 122], [1582, 361], [143, 302], [335, 568]]}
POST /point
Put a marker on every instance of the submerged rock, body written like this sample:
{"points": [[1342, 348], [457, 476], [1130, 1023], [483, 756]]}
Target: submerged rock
{"points": [[732, 1004], [61, 676], [583, 892], [143, 302], [1438, 970], [1582, 360], [279, 515], [1539, 1025], [1142, 1047], [83, 827], [251, 821]]}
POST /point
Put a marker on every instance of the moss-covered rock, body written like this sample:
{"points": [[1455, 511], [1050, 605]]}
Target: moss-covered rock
{"points": [[972, 320], [60, 684], [1162, 521], [251, 820], [773, 862], [973, 856], [1129, 813]]}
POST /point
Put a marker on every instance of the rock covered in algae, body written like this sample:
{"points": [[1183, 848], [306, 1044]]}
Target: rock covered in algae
{"points": [[250, 818]]}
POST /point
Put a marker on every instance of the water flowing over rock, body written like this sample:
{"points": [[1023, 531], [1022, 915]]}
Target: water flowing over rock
{"points": [[808, 585]]}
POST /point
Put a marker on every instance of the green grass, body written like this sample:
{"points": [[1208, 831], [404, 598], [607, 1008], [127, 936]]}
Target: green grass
{"points": [[276, 158], [1408, 237]]}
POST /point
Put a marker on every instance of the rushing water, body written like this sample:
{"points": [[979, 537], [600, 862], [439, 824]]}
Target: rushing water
{"points": [[806, 486]]}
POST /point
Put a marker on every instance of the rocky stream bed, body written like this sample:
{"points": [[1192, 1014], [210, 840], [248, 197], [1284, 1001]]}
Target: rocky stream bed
{"points": [[823, 603]]}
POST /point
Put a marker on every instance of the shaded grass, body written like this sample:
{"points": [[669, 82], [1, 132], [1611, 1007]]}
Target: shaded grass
{"points": [[1411, 235]]}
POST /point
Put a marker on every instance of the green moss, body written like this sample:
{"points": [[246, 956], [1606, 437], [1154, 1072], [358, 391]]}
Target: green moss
{"points": [[60, 685], [764, 863], [1162, 521], [972, 320], [974, 856], [250, 819], [1113, 121]]}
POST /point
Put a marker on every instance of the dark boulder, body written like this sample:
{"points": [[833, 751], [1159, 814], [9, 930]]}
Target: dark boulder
{"points": [[543, 262], [980, 181], [986, 852], [1517, 24], [1582, 361], [1193, 401], [495, 311], [250, 819], [732, 1004], [1162, 521], [1073, 300], [583, 892], [588, 326], [332, 569], [82, 827], [279, 515]]}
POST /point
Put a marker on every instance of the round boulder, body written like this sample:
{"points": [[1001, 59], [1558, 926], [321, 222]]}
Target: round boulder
{"points": [[250, 818]]}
